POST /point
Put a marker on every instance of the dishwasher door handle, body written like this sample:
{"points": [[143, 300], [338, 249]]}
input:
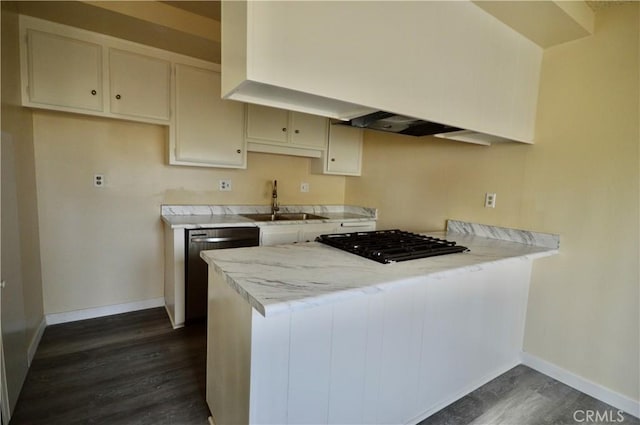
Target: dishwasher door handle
{"points": [[197, 240]]}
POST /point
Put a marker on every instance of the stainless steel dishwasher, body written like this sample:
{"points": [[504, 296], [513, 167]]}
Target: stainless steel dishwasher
{"points": [[196, 268]]}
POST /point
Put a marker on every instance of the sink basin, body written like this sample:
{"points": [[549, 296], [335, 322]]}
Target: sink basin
{"points": [[283, 217]]}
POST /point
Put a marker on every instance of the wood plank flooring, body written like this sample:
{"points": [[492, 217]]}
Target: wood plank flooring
{"points": [[523, 396], [134, 368], [130, 368]]}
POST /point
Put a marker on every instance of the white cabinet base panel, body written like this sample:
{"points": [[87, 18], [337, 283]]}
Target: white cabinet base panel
{"points": [[389, 357]]}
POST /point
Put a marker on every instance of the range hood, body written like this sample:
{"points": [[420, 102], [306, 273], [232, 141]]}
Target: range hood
{"points": [[475, 72], [399, 124]]}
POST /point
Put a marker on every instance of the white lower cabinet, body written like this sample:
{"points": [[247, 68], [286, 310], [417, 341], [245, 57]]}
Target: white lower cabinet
{"points": [[174, 254], [281, 234], [355, 226], [294, 233], [391, 356], [310, 232]]}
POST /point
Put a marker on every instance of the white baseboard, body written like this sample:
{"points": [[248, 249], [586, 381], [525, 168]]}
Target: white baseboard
{"points": [[35, 341], [588, 387], [90, 313], [173, 323]]}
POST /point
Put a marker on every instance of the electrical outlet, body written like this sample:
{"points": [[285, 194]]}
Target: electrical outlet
{"points": [[489, 200], [304, 187], [98, 180], [224, 185]]}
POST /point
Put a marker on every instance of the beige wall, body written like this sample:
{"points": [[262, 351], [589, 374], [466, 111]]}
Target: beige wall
{"points": [[580, 180], [104, 246], [418, 183], [16, 121]]}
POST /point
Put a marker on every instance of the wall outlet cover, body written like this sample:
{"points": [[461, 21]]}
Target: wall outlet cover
{"points": [[304, 187], [489, 200], [98, 180], [224, 185]]}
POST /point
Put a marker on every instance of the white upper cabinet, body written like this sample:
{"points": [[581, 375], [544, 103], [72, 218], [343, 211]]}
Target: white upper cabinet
{"points": [[69, 69], [308, 130], [208, 130], [275, 130], [344, 152], [73, 70], [267, 124], [63, 72], [139, 85], [344, 155], [447, 62]]}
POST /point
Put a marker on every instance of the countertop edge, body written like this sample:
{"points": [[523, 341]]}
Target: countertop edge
{"points": [[291, 306], [526, 237], [212, 216]]}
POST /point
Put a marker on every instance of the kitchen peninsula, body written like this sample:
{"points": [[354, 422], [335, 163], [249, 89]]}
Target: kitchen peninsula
{"points": [[308, 333]]}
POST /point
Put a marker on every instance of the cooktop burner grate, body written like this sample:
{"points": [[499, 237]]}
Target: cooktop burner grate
{"points": [[390, 246]]}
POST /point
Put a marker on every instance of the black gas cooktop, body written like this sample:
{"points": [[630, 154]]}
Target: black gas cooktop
{"points": [[390, 246]]}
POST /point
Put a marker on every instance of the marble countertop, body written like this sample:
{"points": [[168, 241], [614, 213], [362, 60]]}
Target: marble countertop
{"points": [[196, 216], [283, 278]]}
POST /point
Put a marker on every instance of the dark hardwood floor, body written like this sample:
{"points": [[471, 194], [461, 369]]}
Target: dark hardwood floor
{"points": [[134, 368], [130, 368], [523, 396]]}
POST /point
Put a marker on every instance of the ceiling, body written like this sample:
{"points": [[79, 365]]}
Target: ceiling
{"points": [[597, 5], [188, 27], [209, 9]]}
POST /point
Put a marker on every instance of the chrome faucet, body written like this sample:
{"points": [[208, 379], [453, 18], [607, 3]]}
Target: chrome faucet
{"points": [[275, 207]]}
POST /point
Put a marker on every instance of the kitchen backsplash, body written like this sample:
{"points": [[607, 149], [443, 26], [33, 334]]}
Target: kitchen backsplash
{"points": [[252, 209]]}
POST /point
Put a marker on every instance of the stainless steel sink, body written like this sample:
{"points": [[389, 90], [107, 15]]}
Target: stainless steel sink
{"points": [[283, 217]]}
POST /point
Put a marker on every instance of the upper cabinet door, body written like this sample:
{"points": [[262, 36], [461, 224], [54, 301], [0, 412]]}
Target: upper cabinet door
{"points": [[265, 123], [344, 155], [209, 130], [64, 72], [140, 86], [308, 130]]}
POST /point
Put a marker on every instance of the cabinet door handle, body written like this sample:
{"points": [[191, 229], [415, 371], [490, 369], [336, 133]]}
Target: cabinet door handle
{"points": [[284, 128], [93, 92], [333, 160], [118, 96], [238, 151], [297, 131], [216, 240]]}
